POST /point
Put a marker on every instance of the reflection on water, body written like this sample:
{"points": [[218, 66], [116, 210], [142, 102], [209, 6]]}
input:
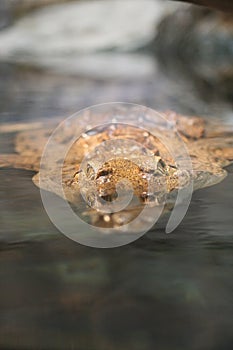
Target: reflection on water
{"points": [[29, 94], [56, 292], [163, 291]]}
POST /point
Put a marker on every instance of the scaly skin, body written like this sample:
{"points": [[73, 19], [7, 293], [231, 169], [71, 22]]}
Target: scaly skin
{"points": [[149, 167]]}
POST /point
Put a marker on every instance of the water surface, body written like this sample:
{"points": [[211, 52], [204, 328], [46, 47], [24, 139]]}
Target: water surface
{"points": [[161, 292]]}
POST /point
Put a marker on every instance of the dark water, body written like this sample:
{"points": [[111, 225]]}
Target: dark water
{"points": [[161, 292]]}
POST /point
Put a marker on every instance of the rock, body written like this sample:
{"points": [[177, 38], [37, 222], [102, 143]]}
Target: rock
{"points": [[201, 48], [12, 9], [86, 38], [222, 5], [66, 30], [20, 7]]}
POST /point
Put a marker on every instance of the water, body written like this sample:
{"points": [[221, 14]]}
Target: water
{"points": [[161, 292]]}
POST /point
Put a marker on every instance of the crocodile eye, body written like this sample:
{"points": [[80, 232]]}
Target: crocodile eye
{"points": [[161, 163], [104, 172], [90, 172], [161, 166]]}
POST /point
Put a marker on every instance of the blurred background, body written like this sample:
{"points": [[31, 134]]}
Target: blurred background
{"points": [[60, 56], [161, 292]]}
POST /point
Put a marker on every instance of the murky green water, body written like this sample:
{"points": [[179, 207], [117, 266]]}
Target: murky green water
{"points": [[161, 292]]}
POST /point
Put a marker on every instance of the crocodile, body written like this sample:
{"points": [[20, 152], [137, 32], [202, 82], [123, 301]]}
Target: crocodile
{"points": [[96, 169]]}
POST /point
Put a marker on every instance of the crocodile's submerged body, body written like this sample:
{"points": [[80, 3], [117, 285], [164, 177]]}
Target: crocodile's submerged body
{"points": [[116, 157]]}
